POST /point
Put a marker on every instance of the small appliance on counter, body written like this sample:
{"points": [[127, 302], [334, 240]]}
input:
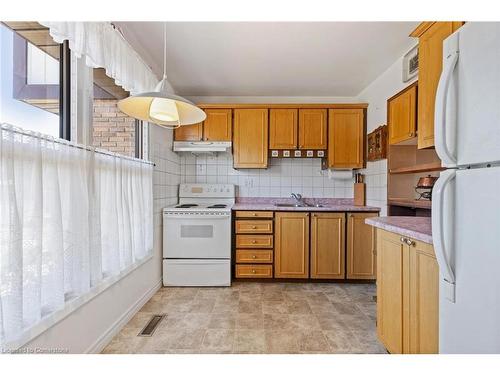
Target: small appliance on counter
{"points": [[424, 187]]}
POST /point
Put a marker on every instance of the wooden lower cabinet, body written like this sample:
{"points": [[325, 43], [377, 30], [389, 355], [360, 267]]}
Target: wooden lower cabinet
{"points": [[254, 226], [407, 295], [259, 271], [392, 255], [254, 244], [254, 241], [291, 245], [328, 245], [254, 256], [424, 300], [361, 253]]}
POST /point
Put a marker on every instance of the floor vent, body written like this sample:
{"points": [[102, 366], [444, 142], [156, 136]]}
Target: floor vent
{"points": [[150, 328]]}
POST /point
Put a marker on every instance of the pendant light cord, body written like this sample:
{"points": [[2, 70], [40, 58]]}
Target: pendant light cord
{"points": [[164, 50]]}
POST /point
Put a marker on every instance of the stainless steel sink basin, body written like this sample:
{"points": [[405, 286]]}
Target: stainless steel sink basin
{"points": [[296, 205]]}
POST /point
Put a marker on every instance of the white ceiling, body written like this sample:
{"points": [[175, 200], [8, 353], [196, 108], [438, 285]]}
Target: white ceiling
{"points": [[270, 59]]}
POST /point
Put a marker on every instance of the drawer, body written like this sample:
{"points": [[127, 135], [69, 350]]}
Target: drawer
{"points": [[254, 270], [254, 226], [255, 214], [254, 256], [254, 241]]}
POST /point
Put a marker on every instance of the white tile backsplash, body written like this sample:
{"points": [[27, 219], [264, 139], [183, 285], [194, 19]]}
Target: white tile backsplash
{"points": [[280, 179], [376, 184]]}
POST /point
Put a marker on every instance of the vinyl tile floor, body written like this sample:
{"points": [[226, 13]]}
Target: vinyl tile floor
{"points": [[254, 317]]}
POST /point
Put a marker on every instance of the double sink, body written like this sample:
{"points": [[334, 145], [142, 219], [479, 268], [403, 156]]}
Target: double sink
{"points": [[297, 205]]}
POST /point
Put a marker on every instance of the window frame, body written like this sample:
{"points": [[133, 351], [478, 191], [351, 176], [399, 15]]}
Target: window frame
{"points": [[62, 92]]}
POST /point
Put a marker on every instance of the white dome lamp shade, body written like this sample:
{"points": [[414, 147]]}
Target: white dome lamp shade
{"points": [[162, 106]]}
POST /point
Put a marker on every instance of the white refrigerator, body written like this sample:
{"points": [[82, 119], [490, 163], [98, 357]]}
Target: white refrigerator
{"points": [[466, 197]]}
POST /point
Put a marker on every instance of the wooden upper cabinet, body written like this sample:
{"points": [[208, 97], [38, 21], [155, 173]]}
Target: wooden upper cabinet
{"points": [[430, 64], [313, 129], [327, 245], [402, 115], [346, 138], [424, 300], [218, 125], [392, 255], [361, 259], [189, 133], [291, 245], [250, 138], [283, 129]]}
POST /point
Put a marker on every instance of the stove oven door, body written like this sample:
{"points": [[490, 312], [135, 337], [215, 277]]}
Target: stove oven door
{"points": [[197, 235]]}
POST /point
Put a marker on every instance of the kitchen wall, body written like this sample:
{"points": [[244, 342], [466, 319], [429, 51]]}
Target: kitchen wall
{"points": [[91, 326], [376, 95], [304, 176], [280, 179]]}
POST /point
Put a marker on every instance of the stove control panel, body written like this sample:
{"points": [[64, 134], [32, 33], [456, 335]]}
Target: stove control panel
{"points": [[206, 191]]}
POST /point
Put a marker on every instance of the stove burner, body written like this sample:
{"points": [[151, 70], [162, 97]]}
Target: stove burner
{"points": [[186, 205], [217, 206]]}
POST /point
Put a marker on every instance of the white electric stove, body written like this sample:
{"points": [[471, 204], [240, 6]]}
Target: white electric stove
{"points": [[197, 236]]}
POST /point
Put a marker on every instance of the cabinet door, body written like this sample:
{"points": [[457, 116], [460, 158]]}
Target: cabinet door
{"points": [[250, 138], [218, 125], [283, 129], [430, 56], [313, 129], [327, 246], [424, 300], [392, 257], [361, 260], [402, 115], [346, 138], [291, 248], [189, 133]]}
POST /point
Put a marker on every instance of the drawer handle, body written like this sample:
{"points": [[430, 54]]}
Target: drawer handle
{"points": [[254, 241], [254, 214], [253, 271], [254, 227], [403, 240], [254, 257]]}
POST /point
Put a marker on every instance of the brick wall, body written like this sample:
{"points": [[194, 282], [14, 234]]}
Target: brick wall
{"points": [[113, 130]]}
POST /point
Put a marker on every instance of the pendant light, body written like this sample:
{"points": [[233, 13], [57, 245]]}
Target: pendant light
{"points": [[162, 106]]}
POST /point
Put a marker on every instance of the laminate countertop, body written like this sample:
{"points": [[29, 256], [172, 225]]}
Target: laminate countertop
{"points": [[327, 205], [418, 228]]}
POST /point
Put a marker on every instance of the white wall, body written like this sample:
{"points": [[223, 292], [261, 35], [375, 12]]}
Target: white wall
{"points": [[376, 94], [92, 325]]}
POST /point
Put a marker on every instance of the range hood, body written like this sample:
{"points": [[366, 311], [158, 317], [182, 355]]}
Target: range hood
{"points": [[202, 147]]}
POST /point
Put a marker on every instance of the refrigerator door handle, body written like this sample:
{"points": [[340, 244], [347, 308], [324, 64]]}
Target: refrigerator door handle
{"points": [[438, 239], [440, 110]]}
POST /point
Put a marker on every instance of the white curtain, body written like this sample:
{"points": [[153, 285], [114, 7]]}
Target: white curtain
{"points": [[70, 217], [104, 47]]}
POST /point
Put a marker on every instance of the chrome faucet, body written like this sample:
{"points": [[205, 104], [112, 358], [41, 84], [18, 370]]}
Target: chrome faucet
{"points": [[298, 199]]}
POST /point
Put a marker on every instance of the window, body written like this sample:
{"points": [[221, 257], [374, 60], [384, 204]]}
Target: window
{"points": [[31, 69]]}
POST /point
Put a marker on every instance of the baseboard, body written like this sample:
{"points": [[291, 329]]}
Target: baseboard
{"points": [[107, 336]]}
